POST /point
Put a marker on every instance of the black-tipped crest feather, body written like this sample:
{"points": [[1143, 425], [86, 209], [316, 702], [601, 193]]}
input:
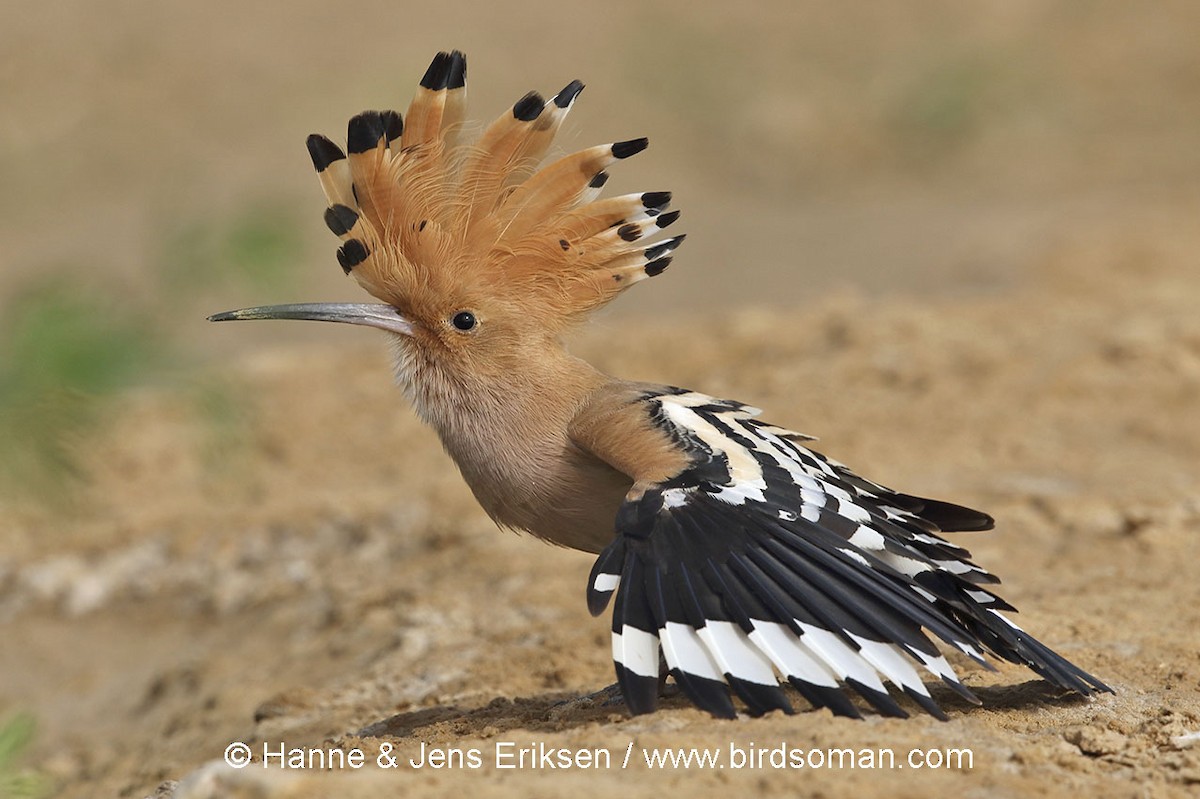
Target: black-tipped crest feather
{"points": [[529, 107], [323, 151], [568, 94], [624, 149], [364, 131], [438, 72]]}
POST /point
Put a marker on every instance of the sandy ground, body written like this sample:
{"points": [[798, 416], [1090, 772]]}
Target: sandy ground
{"points": [[346, 589], [1008, 321]]}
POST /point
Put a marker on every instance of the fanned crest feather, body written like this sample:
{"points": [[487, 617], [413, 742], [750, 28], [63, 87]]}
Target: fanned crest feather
{"points": [[423, 216]]}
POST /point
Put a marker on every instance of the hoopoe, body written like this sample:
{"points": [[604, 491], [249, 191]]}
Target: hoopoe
{"points": [[739, 558]]}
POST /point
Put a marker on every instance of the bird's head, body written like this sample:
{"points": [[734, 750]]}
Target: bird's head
{"points": [[476, 255]]}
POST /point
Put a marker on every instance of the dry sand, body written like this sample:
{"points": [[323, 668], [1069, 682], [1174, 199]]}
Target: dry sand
{"points": [[1021, 335], [347, 590]]}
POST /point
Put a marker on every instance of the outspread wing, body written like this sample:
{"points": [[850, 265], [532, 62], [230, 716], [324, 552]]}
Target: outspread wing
{"points": [[764, 561]]}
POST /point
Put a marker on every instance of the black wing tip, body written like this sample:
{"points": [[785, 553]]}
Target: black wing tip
{"points": [[962, 690], [568, 94], [610, 561], [624, 149], [953, 518], [1018, 646], [597, 601], [880, 700], [529, 107], [711, 696], [323, 151], [927, 704], [1076, 679], [760, 699], [640, 693], [1098, 686], [364, 131], [831, 697]]}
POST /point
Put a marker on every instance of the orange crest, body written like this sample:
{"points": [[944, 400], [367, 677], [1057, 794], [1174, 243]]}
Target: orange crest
{"points": [[424, 218]]}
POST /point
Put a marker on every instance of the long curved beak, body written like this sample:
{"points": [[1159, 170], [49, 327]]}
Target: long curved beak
{"points": [[384, 317]]}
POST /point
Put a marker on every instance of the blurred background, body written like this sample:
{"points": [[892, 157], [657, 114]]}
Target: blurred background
{"points": [[153, 159], [154, 172]]}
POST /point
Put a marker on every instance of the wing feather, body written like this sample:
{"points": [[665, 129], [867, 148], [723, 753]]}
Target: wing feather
{"points": [[764, 561]]}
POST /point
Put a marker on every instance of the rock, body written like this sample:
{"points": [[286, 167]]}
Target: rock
{"points": [[1096, 741]]}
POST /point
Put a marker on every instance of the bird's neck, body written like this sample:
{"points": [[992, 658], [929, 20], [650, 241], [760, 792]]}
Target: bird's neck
{"points": [[531, 398]]}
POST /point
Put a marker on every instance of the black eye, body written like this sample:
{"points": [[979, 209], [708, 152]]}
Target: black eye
{"points": [[463, 320]]}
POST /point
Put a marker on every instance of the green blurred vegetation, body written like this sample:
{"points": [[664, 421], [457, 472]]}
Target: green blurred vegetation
{"points": [[943, 105], [64, 349], [220, 410], [799, 112], [70, 347], [258, 248], [16, 733]]}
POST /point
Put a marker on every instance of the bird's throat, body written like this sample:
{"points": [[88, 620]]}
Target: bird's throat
{"points": [[524, 399]]}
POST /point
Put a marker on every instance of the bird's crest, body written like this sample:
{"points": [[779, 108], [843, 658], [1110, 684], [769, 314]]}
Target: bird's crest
{"points": [[422, 215]]}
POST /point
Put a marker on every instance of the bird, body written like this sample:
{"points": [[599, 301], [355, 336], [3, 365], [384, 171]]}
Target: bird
{"points": [[737, 559]]}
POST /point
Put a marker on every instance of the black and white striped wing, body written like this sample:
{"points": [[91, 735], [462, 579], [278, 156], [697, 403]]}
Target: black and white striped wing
{"points": [[764, 561]]}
